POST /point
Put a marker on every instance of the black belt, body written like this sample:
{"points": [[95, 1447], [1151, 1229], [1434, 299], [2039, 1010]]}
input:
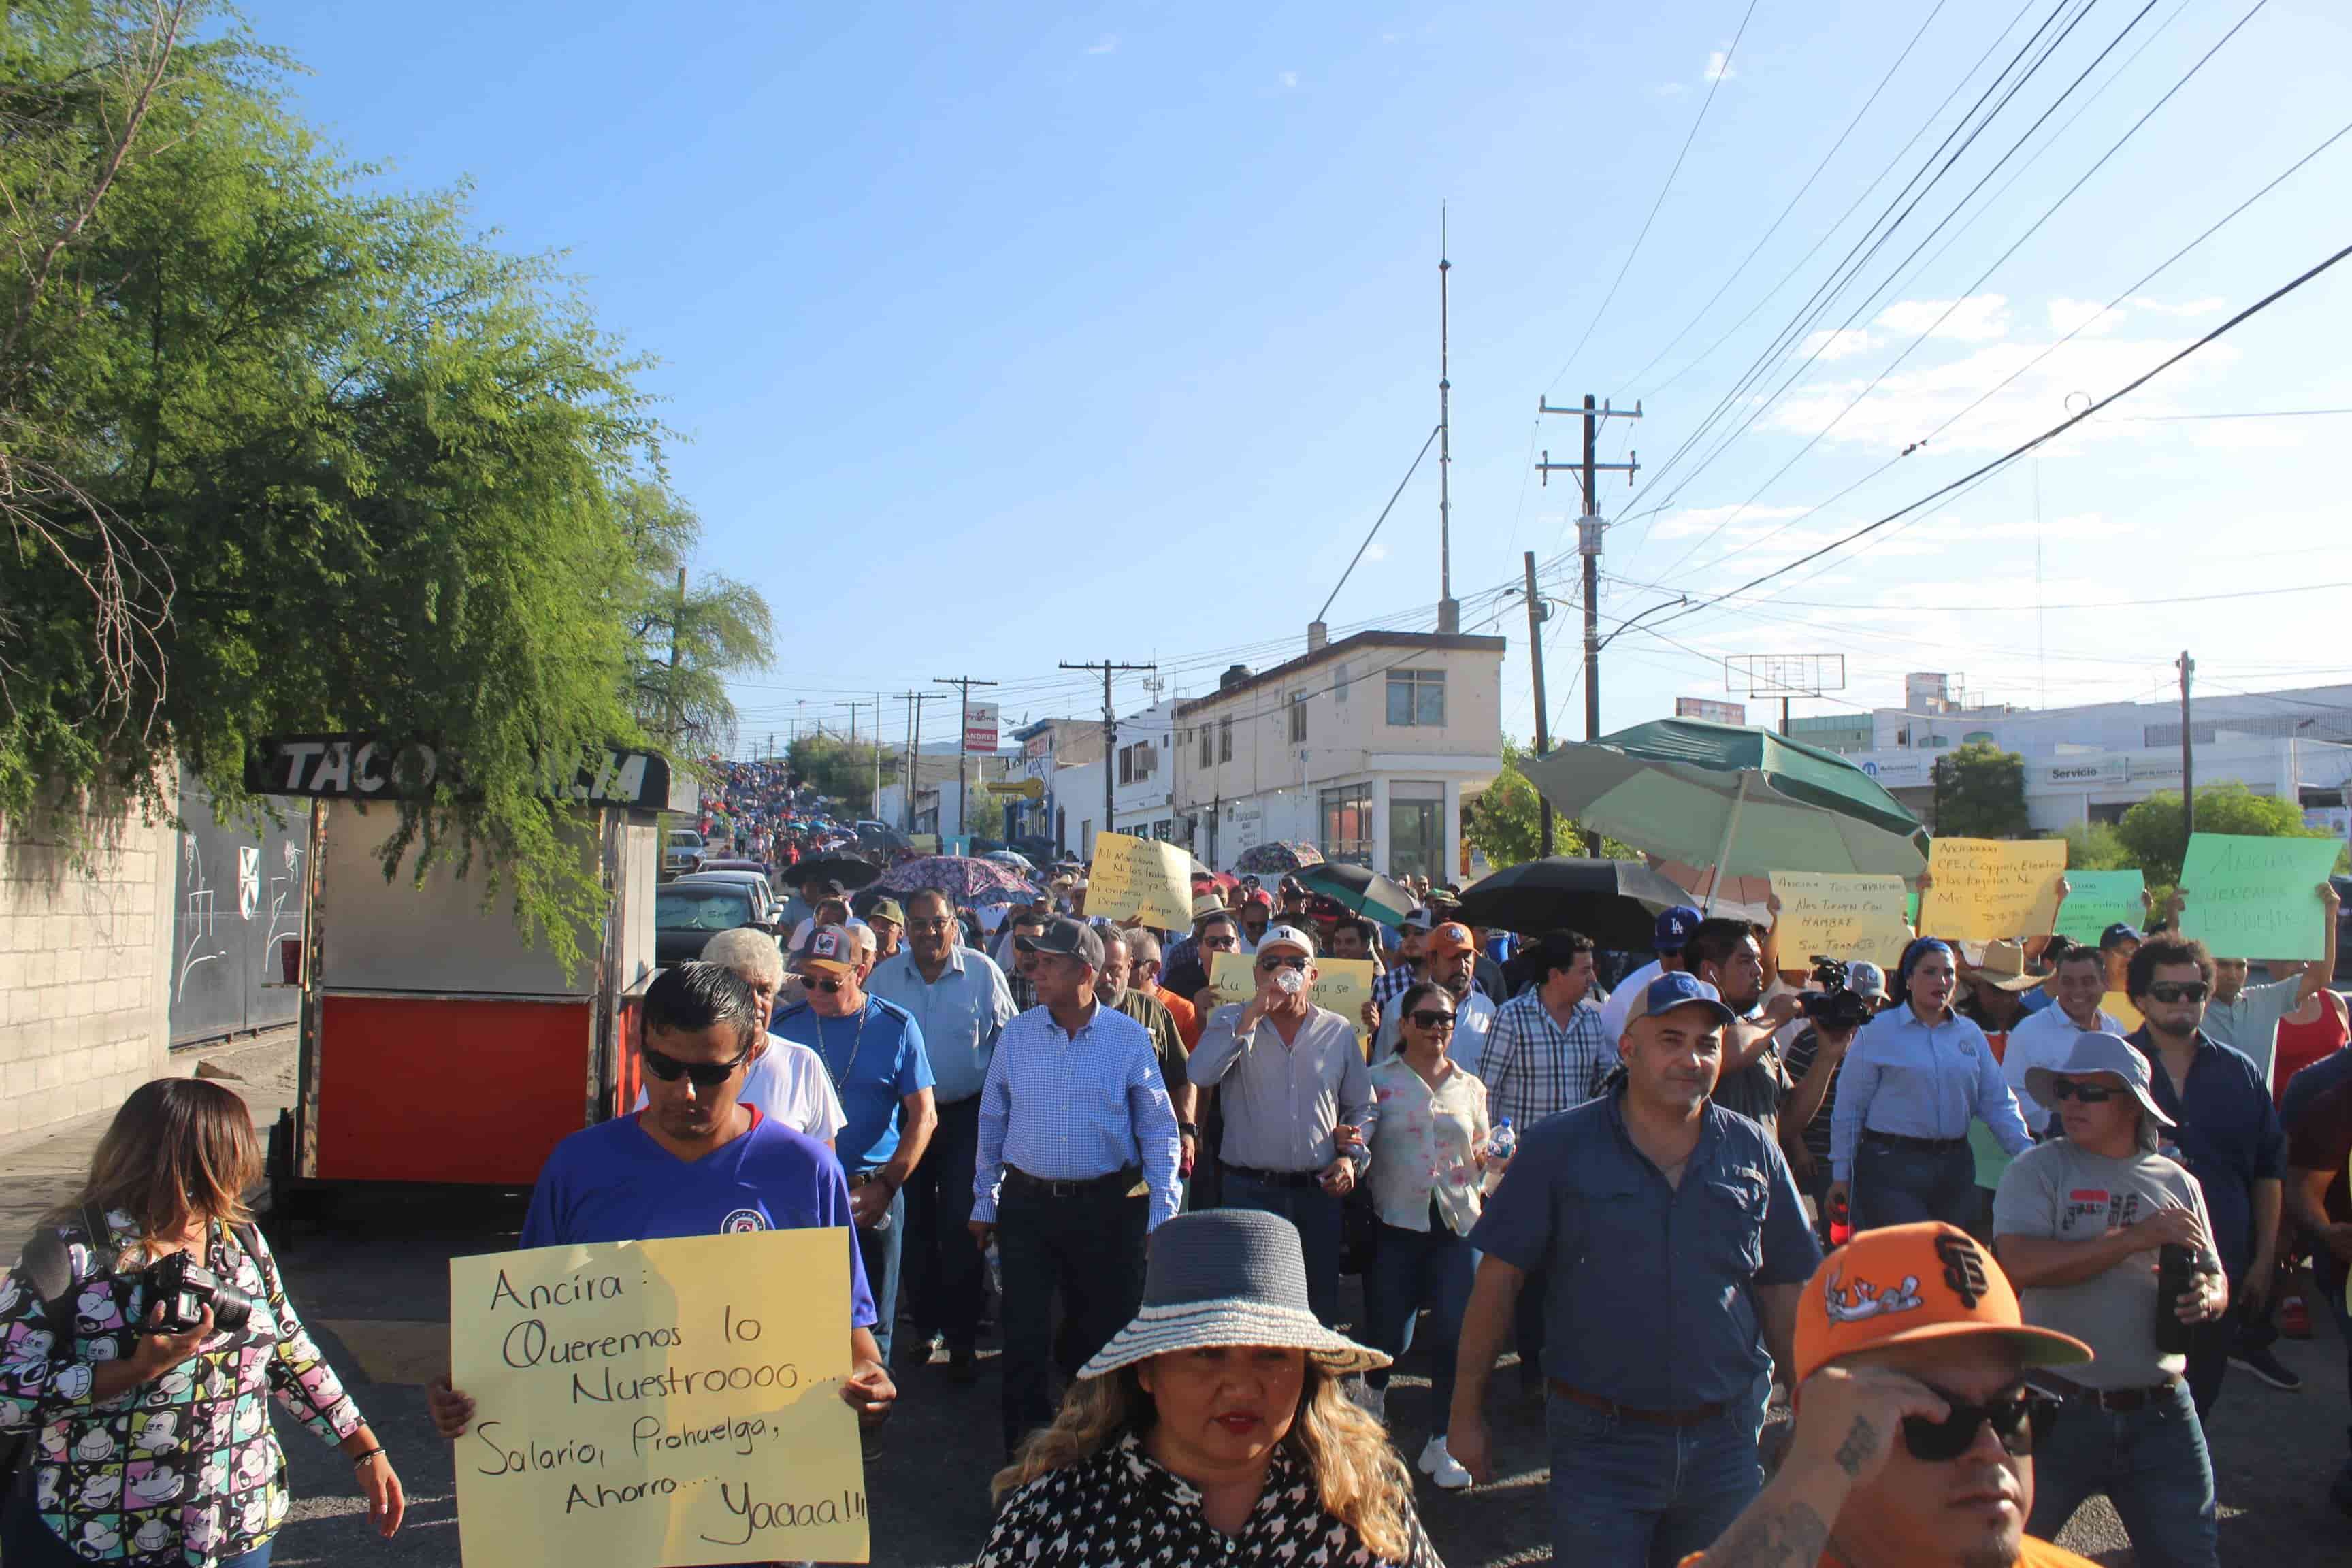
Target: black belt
{"points": [[1692, 1417], [1275, 1178], [1904, 1140], [1020, 1180], [2138, 1398]]}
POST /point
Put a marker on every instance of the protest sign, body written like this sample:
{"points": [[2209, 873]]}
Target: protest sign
{"points": [[664, 1403], [1132, 875], [1988, 890], [1342, 985], [1845, 917], [2255, 897], [2097, 899]]}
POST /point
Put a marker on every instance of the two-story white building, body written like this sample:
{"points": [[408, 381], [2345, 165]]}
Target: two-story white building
{"points": [[1364, 748]]}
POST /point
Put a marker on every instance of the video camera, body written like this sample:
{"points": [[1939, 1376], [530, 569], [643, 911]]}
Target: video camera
{"points": [[1832, 1004]]}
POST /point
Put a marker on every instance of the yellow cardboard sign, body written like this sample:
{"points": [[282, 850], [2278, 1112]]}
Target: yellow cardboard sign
{"points": [[1846, 916], [669, 1402], [1131, 876], [1989, 889], [1342, 985]]}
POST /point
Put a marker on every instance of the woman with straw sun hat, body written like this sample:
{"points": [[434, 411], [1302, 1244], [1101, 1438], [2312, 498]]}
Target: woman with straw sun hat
{"points": [[1213, 1427]]}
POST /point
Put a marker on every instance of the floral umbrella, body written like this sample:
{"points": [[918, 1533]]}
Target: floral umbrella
{"points": [[964, 879], [1269, 859]]}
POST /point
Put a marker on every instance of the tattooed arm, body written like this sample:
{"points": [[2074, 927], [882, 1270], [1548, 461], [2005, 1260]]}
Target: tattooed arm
{"points": [[1845, 1422]]}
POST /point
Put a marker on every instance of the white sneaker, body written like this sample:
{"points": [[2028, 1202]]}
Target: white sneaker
{"points": [[1441, 1467], [1372, 1402]]}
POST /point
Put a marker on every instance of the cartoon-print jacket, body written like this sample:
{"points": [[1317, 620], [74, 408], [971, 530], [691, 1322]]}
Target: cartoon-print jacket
{"points": [[185, 1470]]}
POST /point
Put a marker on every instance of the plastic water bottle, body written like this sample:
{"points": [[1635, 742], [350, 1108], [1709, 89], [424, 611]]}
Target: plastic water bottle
{"points": [[1501, 1144]]}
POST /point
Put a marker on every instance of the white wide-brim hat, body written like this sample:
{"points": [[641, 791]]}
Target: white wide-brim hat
{"points": [[1228, 1277]]}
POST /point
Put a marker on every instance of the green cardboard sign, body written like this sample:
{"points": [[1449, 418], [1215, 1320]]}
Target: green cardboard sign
{"points": [[2255, 897], [2097, 899]]}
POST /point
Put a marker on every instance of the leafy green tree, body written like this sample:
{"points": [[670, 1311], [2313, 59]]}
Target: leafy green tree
{"points": [[2097, 846], [1506, 825], [282, 452], [1980, 793], [689, 633], [840, 771], [2151, 830]]}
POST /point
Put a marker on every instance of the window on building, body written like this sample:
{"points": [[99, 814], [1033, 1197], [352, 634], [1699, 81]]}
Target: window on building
{"points": [[1346, 823], [1206, 759], [1127, 765], [1417, 698], [1339, 682], [1298, 720], [1225, 739]]}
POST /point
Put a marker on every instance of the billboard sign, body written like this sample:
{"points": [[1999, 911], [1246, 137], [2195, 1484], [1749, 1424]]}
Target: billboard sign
{"points": [[1707, 708], [979, 727]]}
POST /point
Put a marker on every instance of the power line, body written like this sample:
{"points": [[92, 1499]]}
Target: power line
{"points": [[2257, 308], [1696, 120]]}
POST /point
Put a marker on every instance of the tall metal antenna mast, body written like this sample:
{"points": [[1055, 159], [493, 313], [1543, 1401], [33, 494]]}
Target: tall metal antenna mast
{"points": [[1449, 613]]}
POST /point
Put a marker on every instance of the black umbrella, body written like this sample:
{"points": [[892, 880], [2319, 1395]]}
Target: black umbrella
{"points": [[1615, 902], [846, 870]]}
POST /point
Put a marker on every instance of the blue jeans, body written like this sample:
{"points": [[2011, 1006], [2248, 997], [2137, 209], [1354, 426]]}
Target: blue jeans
{"points": [[879, 1247], [1629, 1495], [1412, 1268], [1316, 1212], [1894, 1186], [2151, 1462]]}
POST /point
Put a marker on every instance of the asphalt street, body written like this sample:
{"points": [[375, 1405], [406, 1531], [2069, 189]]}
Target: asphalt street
{"points": [[371, 1279]]}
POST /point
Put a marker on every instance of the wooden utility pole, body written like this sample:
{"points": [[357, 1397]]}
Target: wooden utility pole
{"points": [[1110, 734], [1539, 612], [964, 683], [2188, 759], [914, 700], [1589, 529]]}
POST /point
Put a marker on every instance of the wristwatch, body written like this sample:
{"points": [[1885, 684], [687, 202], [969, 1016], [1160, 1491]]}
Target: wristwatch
{"points": [[1190, 1130]]}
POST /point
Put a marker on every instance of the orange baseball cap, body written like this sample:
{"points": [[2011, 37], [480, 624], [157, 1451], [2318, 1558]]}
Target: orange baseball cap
{"points": [[1451, 937], [1907, 1282]]}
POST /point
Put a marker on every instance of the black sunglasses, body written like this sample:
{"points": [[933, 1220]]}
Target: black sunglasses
{"points": [[1278, 962], [2088, 1093], [1433, 1017], [809, 983], [2179, 990], [2019, 1421], [705, 1074]]}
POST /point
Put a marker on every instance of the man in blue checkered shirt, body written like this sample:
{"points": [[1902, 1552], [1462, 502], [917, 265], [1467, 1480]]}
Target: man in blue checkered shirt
{"points": [[1546, 1050], [1392, 982]]}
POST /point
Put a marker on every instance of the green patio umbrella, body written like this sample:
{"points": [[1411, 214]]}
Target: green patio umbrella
{"points": [[1743, 800]]}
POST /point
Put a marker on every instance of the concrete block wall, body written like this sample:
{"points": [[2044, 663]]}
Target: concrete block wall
{"points": [[85, 964]]}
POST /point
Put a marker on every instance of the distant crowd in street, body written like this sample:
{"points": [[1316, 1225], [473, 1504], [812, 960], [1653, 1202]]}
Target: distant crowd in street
{"points": [[2000, 1222]]}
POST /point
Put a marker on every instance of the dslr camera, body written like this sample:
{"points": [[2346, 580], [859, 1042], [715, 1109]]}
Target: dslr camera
{"points": [[185, 1288], [1831, 1004]]}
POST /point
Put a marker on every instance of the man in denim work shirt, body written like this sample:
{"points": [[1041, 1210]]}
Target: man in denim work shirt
{"points": [[1672, 1246]]}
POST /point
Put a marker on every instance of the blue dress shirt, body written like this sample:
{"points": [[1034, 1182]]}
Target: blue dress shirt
{"points": [[2228, 1130], [1920, 1080], [959, 1015], [874, 1058], [1068, 1108], [1650, 1286]]}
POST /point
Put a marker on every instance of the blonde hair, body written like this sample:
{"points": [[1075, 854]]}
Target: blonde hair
{"points": [[180, 1149], [1359, 1478]]}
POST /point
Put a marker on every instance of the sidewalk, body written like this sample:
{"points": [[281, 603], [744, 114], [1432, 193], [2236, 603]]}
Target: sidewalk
{"points": [[45, 1167]]}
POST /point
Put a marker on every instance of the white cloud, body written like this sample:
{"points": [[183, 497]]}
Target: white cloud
{"points": [[1105, 45], [2087, 316], [1672, 90], [1977, 319], [1718, 67], [1290, 79], [2186, 308], [1837, 343]]}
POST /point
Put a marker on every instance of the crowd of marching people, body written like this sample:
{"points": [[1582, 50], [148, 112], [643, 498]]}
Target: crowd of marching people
{"points": [[1997, 1218]]}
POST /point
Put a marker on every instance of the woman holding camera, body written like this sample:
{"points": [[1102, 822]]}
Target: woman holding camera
{"points": [[140, 1339]]}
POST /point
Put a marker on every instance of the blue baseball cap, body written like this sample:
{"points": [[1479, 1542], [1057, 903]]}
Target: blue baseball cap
{"points": [[2117, 934], [1678, 988], [1674, 928]]}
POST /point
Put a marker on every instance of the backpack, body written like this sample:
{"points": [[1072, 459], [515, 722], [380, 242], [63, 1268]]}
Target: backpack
{"points": [[46, 1269]]}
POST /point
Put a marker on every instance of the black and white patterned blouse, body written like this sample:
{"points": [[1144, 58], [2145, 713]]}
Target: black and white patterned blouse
{"points": [[1123, 1508]]}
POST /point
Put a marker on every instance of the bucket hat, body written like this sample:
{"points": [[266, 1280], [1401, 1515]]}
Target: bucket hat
{"points": [[2109, 1056], [1228, 1277]]}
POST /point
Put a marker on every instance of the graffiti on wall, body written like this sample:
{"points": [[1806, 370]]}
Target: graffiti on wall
{"points": [[240, 890]]}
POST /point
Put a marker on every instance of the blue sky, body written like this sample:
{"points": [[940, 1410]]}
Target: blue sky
{"points": [[1001, 336]]}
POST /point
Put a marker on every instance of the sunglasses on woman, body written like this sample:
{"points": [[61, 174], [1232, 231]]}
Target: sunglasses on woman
{"points": [[1432, 1017], [704, 1074], [2179, 990], [2019, 1421], [2088, 1093]]}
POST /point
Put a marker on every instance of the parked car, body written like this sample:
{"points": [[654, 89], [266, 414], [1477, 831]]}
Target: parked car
{"points": [[683, 852], [687, 912], [735, 863], [770, 904]]}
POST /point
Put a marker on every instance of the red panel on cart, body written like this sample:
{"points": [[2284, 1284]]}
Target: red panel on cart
{"points": [[417, 1089]]}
